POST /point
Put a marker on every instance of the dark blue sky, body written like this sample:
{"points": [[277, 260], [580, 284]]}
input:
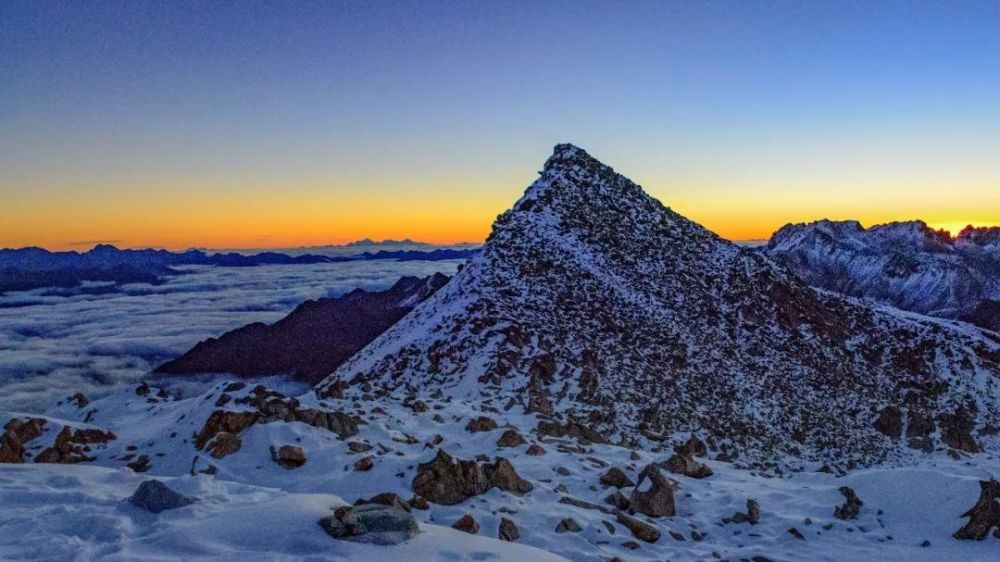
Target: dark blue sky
{"points": [[744, 115]]}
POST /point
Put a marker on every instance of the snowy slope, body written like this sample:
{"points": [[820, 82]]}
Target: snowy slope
{"points": [[253, 508], [905, 264], [592, 300]]}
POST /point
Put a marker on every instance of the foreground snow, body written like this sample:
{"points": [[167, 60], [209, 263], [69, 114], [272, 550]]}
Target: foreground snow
{"points": [[254, 509], [53, 512]]}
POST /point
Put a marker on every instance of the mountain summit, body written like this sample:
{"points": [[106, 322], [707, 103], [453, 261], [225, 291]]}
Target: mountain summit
{"points": [[593, 303]]}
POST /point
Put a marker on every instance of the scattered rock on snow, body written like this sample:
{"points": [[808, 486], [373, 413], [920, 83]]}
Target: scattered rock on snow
{"points": [[155, 496], [508, 530], [482, 423], [289, 456], [466, 523], [371, 523], [984, 515], [656, 500], [616, 477], [851, 507], [511, 438], [568, 525]]}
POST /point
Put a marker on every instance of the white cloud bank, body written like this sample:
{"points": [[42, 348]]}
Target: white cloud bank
{"points": [[54, 345]]}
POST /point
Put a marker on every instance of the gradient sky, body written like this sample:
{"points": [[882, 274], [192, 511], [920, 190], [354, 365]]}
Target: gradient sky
{"points": [[256, 124]]}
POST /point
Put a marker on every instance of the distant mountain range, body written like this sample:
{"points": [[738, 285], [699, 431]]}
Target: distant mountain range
{"points": [[33, 268], [905, 264], [313, 340]]}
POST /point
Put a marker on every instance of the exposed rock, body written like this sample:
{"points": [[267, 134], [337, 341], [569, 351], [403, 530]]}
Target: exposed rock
{"points": [[359, 447], [890, 422], [508, 530], [656, 499], [568, 525], [365, 464], [753, 512], [685, 464], [616, 477], [482, 423], [617, 499], [155, 496], [535, 450], [385, 498], [511, 438], [640, 529], [796, 533], [142, 389], [570, 429], [224, 444], [71, 445], [449, 481], [466, 523], [140, 464], [17, 432], [371, 523], [224, 421], [419, 406], [79, 400], [984, 515], [289, 456], [956, 431], [501, 474], [851, 507]]}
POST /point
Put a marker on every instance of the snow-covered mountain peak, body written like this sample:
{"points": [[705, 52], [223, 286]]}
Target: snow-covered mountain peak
{"points": [[591, 299]]}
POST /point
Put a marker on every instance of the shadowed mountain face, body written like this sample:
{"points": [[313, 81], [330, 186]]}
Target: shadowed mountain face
{"points": [[593, 301], [905, 264], [313, 340]]}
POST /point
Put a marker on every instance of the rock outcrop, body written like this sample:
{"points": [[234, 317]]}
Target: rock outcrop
{"points": [[449, 481], [983, 516]]}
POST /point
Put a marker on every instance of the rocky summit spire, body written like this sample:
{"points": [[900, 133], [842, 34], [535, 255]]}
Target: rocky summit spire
{"points": [[593, 302]]}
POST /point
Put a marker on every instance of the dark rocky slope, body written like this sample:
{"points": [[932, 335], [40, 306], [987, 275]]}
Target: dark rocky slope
{"points": [[313, 340]]}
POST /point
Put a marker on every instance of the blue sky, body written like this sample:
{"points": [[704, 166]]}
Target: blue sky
{"points": [[348, 119]]}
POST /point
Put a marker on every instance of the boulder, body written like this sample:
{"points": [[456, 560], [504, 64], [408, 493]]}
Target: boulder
{"points": [[480, 424], [568, 525], [570, 429], [449, 481], [289, 456], [656, 499], [371, 523], [511, 438], [617, 478], [466, 523], [640, 529], [508, 530], [155, 496], [224, 444], [365, 464], [851, 507], [984, 515], [682, 463], [385, 498], [17, 432], [535, 450]]}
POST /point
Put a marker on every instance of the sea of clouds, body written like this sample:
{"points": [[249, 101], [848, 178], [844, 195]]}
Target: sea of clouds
{"points": [[97, 339]]}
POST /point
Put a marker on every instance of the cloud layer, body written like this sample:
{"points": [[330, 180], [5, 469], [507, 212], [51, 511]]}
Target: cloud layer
{"points": [[52, 345]]}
